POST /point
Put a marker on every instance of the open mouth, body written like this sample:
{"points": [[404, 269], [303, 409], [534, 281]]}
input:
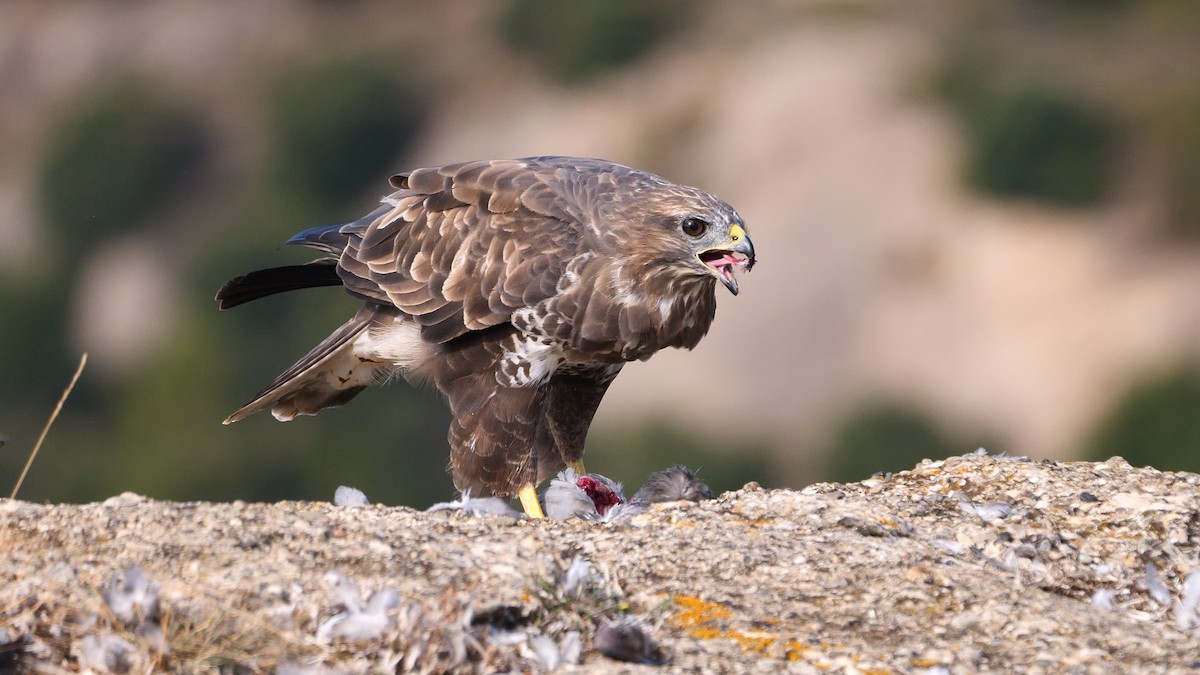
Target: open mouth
{"points": [[724, 263]]}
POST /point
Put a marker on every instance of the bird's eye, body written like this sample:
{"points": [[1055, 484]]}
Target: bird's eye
{"points": [[694, 227]]}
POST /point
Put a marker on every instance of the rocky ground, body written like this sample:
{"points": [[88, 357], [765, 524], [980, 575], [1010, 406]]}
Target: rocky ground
{"points": [[970, 564]]}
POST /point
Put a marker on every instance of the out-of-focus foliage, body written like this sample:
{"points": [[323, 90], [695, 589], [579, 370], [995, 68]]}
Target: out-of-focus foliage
{"points": [[121, 155], [1044, 146], [1030, 141], [1178, 134], [115, 157], [630, 456], [336, 129], [579, 39], [886, 437], [1156, 423]]}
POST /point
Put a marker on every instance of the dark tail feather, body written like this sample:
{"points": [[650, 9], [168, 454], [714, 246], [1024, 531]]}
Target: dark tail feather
{"points": [[332, 239], [262, 283]]}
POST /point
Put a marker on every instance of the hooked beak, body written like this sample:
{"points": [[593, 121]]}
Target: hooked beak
{"points": [[734, 255]]}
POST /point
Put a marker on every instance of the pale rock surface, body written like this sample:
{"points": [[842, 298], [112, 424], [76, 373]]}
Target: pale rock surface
{"points": [[971, 564]]}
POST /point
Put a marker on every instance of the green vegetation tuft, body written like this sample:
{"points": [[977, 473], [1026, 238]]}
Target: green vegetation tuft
{"points": [[1156, 423], [577, 40]]}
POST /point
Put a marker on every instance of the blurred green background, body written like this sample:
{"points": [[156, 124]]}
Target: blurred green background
{"points": [[176, 146]]}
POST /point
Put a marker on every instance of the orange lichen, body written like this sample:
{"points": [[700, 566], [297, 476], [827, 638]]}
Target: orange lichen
{"points": [[757, 643], [704, 633], [695, 612], [696, 616], [703, 620], [795, 651]]}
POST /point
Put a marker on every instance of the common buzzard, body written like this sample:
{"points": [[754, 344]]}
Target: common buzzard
{"points": [[519, 289]]}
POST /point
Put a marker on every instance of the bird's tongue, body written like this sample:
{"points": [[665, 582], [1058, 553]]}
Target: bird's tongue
{"points": [[725, 262]]}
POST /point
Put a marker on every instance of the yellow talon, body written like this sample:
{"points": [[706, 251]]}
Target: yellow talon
{"points": [[577, 465], [529, 502]]}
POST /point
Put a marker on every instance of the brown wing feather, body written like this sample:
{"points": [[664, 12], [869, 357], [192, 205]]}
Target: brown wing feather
{"points": [[465, 245]]}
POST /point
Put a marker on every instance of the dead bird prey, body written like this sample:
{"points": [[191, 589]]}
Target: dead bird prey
{"points": [[595, 497], [518, 288]]}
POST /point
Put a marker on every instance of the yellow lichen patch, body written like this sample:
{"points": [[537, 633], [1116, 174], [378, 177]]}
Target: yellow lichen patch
{"points": [[704, 621], [794, 651], [760, 521], [697, 616], [695, 612], [705, 633], [757, 642], [887, 522]]}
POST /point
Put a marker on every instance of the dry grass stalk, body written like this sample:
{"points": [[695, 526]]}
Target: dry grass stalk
{"points": [[49, 423]]}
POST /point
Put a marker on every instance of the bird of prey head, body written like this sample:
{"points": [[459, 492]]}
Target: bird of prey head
{"points": [[517, 288]]}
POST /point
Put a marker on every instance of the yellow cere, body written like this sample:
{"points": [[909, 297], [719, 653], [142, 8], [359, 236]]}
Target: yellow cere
{"points": [[736, 233]]}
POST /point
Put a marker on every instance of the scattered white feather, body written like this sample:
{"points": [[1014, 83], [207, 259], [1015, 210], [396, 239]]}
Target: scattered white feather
{"points": [[1103, 599], [359, 621], [990, 512], [579, 577], [571, 647], [551, 655], [1186, 615], [1155, 587], [621, 511], [132, 597], [950, 546], [506, 638], [1002, 455], [105, 654], [477, 506], [348, 496], [298, 669], [546, 651]]}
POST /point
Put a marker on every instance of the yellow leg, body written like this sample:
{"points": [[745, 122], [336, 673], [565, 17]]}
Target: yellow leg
{"points": [[578, 466], [529, 501]]}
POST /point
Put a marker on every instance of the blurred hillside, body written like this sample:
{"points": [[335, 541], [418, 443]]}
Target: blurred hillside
{"points": [[976, 226]]}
